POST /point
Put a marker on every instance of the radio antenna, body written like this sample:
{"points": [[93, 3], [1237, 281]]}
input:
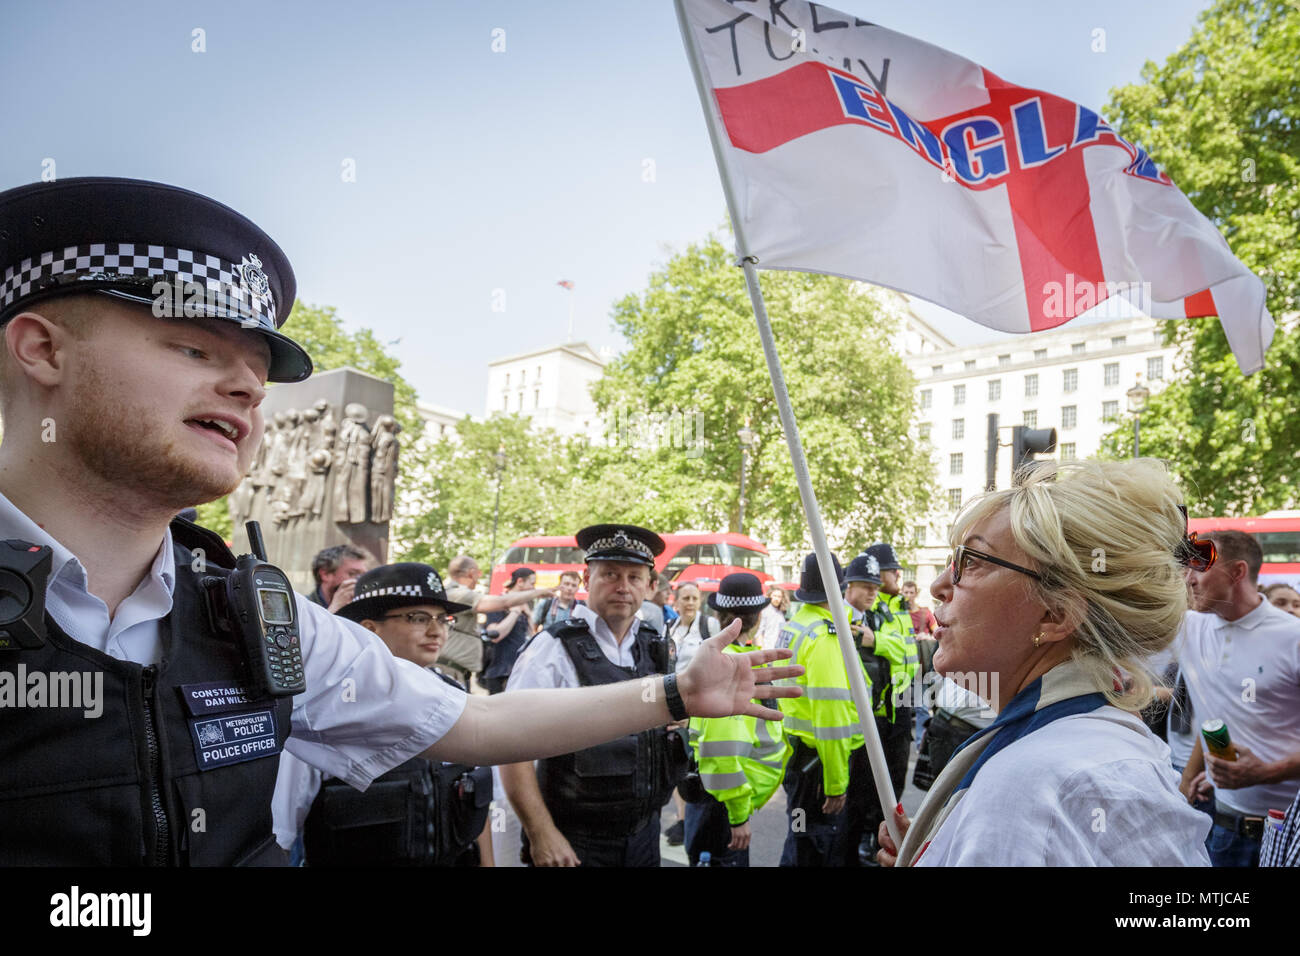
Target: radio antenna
{"points": [[255, 541]]}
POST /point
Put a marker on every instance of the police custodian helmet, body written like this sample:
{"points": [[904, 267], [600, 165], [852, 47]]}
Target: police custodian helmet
{"points": [[175, 250]]}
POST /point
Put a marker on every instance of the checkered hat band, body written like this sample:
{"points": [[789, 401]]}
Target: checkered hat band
{"points": [[240, 287], [623, 543], [404, 590], [746, 600]]}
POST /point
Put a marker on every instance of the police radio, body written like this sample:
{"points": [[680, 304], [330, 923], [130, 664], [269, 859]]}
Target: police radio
{"points": [[24, 570], [255, 602]]}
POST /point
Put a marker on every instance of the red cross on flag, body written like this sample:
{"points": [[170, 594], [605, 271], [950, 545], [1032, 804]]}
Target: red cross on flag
{"points": [[853, 150]]}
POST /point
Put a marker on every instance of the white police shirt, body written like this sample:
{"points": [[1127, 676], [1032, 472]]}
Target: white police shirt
{"points": [[1093, 789], [545, 663], [1247, 672], [364, 710]]}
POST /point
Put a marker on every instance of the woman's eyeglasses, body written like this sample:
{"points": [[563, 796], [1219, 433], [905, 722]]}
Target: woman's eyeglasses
{"points": [[963, 555]]}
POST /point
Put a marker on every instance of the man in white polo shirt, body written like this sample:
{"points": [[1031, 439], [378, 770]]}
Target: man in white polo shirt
{"points": [[1241, 659]]}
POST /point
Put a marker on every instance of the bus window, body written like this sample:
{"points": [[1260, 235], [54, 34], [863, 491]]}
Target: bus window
{"points": [[683, 559], [1279, 547], [746, 558], [514, 556], [570, 555], [708, 554]]}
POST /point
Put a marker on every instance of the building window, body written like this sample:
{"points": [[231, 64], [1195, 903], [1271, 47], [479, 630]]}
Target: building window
{"points": [[1031, 418], [959, 394], [1031, 385], [1040, 354], [1004, 360], [1069, 416], [523, 377], [539, 373], [1067, 451], [519, 405], [954, 463], [918, 534], [1118, 341], [1156, 368], [926, 398], [1109, 411], [970, 364], [505, 403], [923, 431], [995, 389], [936, 369], [1070, 381], [1111, 371], [1078, 348], [958, 429], [507, 379], [954, 499], [537, 398]]}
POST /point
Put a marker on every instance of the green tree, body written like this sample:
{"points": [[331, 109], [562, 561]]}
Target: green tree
{"points": [[694, 375], [319, 330], [450, 509], [1222, 117]]}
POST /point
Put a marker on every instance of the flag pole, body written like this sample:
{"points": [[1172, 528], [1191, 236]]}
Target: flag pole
{"points": [[852, 663]]}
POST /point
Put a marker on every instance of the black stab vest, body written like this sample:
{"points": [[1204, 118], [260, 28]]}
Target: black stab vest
{"points": [[420, 813], [613, 788], [125, 788]]}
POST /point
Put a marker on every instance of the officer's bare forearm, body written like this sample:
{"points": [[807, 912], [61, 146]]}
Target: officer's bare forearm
{"points": [[530, 724], [520, 782]]}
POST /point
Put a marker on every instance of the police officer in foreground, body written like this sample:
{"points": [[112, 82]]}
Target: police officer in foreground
{"points": [[600, 806], [441, 808], [117, 416]]}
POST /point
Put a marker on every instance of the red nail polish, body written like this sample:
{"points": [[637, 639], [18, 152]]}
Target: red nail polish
{"points": [[899, 809]]}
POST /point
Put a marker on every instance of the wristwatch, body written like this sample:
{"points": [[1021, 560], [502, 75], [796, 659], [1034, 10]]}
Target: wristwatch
{"points": [[676, 707]]}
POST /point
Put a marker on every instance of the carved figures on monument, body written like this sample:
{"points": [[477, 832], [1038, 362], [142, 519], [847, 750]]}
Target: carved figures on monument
{"points": [[383, 468], [350, 482]]}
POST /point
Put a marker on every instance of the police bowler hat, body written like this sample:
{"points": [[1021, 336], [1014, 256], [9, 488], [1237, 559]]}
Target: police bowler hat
{"points": [[183, 254]]}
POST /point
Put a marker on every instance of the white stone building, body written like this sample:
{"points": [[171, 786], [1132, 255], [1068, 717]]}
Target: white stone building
{"points": [[1073, 379], [551, 386]]}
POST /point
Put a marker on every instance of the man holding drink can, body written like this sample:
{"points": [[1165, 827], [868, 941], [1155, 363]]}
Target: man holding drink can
{"points": [[1241, 657]]}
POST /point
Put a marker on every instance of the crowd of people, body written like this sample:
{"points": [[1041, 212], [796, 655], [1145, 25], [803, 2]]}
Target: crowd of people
{"points": [[1186, 804]]}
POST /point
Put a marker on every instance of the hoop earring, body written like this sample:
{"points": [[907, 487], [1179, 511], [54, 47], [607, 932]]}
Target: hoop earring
{"points": [[1037, 638]]}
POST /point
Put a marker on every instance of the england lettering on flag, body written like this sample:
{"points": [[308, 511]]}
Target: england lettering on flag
{"points": [[856, 151]]}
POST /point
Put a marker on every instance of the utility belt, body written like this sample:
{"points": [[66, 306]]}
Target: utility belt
{"points": [[422, 813], [1244, 824]]}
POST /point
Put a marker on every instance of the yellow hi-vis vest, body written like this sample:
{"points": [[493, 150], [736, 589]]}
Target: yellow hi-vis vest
{"points": [[896, 640], [742, 759], [825, 717]]}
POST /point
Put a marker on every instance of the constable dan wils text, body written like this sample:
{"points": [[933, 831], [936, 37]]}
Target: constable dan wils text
{"points": [[76, 689]]}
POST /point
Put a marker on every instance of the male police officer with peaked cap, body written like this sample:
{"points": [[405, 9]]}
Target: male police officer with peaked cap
{"points": [[599, 806], [115, 420]]}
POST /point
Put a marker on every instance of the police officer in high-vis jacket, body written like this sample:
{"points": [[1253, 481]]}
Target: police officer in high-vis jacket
{"points": [[141, 325], [827, 777], [599, 806]]}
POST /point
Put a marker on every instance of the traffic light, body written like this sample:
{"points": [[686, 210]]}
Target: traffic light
{"points": [[1027, 442]]}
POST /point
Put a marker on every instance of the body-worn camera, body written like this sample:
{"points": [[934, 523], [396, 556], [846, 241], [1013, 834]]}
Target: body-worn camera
{"points": [[24, 571], [255, 603]]}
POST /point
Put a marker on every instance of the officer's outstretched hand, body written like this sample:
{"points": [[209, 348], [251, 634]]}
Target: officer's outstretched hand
{"points": [[720, 685]]}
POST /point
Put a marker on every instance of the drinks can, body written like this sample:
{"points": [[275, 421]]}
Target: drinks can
{"points": [[1216, 737]]}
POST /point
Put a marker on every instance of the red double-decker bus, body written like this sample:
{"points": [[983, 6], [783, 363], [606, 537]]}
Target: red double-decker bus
{"points": [[1278, 534], [701, 557]]}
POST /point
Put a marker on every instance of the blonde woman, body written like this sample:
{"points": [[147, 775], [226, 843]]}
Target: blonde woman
{"points": [[1057, 586]]}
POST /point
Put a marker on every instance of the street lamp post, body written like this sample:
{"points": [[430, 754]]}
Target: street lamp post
{"points": [[1137, 403], [746, 436], [500, 459]]}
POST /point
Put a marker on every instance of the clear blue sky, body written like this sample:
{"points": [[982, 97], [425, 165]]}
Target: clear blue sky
{"points": [[475, 170]]}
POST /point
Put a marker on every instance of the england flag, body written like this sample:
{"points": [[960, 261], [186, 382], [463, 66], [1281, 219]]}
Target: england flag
{"points": [[852, 150]]}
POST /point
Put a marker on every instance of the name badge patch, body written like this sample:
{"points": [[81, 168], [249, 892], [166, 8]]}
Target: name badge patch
{"points": [[234, 738], [216, 697]]}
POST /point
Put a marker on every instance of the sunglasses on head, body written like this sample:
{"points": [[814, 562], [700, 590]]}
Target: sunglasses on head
{"points": [[1193, 552]]}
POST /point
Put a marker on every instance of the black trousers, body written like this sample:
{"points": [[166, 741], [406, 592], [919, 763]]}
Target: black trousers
{"points": [[896, 740], [595, 849], [814, 839]]}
